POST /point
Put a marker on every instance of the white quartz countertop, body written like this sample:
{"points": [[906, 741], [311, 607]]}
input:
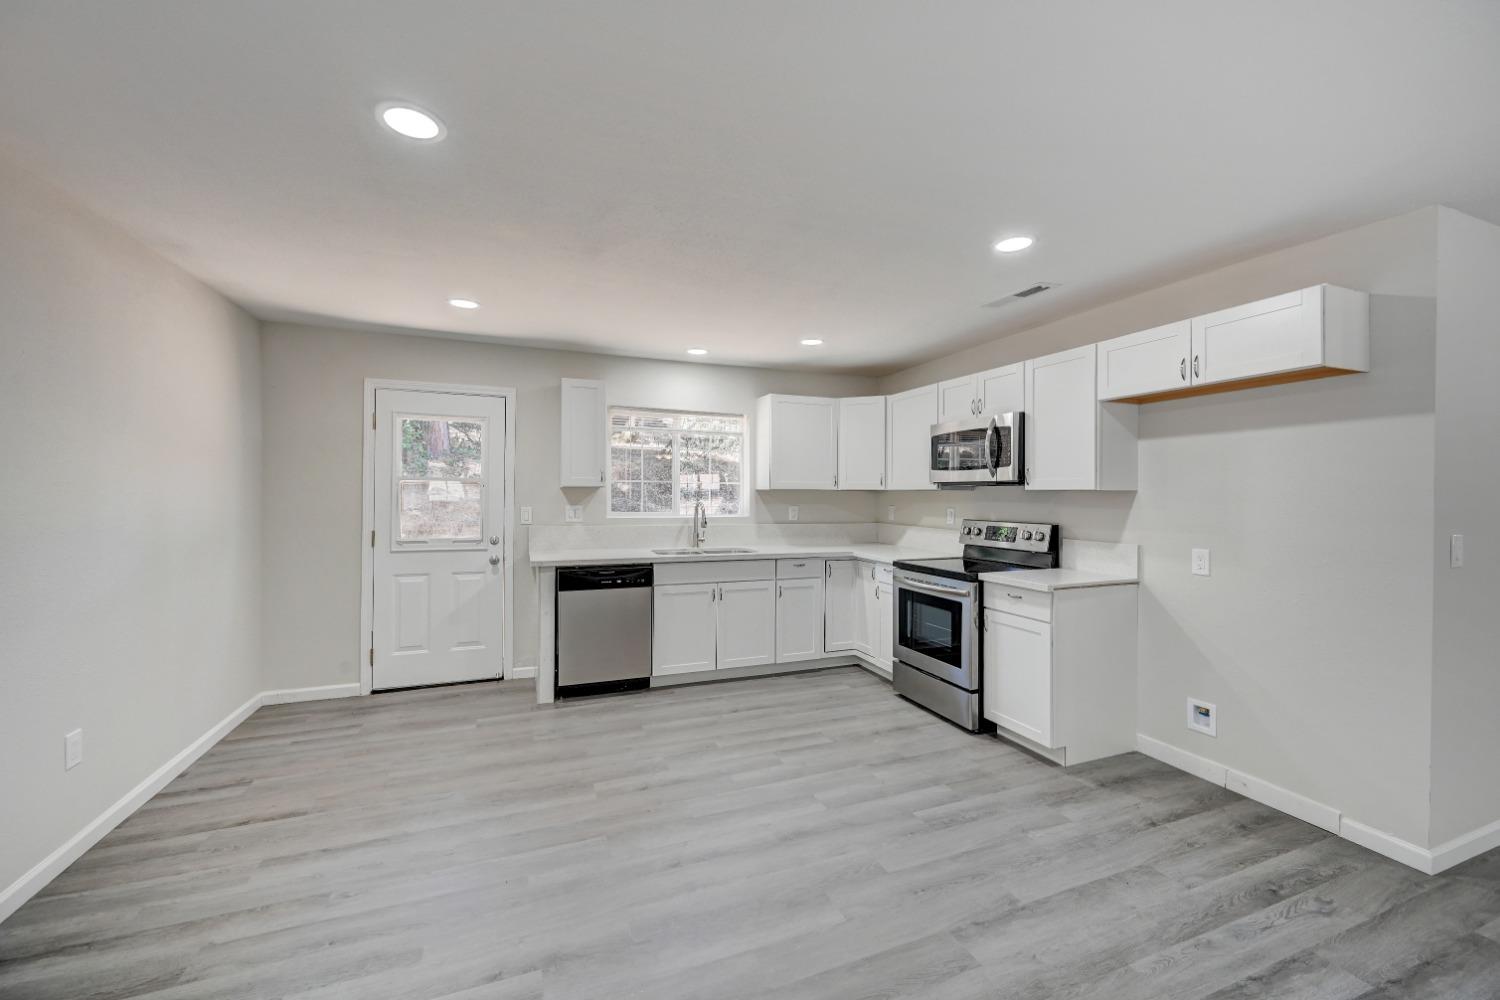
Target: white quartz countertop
{"points": [[869, 551], [1057, 579]]}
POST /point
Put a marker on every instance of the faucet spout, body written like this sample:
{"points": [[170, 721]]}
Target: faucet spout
{"points": [[700, 524]]}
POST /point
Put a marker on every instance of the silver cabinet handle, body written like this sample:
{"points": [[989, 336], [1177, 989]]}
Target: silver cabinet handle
{"points": [[778, 590], [1014, 597], [1182, 369], [1195, 366], [877, 593]]}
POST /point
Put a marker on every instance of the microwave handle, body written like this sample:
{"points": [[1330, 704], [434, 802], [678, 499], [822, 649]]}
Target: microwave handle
{"points": [[992, 447]]}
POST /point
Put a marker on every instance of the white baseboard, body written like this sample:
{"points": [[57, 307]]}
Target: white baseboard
{"points": [[1428, 860], [521, 673], [284, 696], [44, 871], [52, 865]]}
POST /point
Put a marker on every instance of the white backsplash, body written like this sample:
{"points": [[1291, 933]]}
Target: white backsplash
{"points": [[938, 541]]}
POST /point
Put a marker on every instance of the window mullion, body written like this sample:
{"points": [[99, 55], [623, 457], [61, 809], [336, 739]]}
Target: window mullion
{"points": [[677, 472]]}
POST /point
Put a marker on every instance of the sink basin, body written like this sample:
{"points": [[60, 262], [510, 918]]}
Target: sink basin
{"points": [[701, 552], [723, 552]]}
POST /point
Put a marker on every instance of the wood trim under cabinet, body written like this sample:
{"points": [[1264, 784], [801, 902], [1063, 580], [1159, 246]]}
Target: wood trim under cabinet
{"points": [[1281, 378]]}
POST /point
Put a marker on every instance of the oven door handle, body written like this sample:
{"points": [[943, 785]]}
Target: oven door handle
{"points": [[907, 582]]}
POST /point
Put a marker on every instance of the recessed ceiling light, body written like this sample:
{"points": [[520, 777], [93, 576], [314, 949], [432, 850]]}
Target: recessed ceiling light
{"points": [[463, 303], [697, 352], [1011, 244], [414, 123], [811, 342]]}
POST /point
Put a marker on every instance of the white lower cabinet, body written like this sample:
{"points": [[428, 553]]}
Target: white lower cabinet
{"points": [[885, 623], [747, 623], [1059, 669], [799, 619], [684, 631], [843, 606]]}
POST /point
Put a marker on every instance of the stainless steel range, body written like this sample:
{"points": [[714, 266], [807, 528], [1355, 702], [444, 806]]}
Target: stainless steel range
{"points": [[938, 606]]}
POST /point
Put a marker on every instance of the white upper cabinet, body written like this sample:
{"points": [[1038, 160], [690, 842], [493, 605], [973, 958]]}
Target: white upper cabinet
{"points": [[1150, 361], [1073, 441], [583, 428], [861, 443], [796, 443], [1002, 390], [909, 417], [1319, 330], [1312, 333], [999, 390]]}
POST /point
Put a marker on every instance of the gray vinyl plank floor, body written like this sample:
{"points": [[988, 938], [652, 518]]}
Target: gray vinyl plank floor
{"points": [[804, 836]]}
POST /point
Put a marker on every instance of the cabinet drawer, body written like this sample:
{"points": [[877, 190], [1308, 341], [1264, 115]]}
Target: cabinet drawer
{"points": [[794, 569], [725, 571], [1035, 604]]}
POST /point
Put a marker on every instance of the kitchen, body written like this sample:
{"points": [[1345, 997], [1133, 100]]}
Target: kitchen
{"points": [[687, 500]]}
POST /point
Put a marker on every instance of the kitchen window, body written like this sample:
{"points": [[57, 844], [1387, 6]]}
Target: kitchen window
{"points": [[661, 462]]}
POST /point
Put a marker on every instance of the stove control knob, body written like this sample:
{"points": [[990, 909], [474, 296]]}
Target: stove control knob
{"points": [[1026, 534], [1041, 536]]}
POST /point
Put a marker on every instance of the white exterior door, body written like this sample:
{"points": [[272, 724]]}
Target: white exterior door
{"points": [[747, 623], [684, 631], [439, 538], [862, 443], [799, 619]]}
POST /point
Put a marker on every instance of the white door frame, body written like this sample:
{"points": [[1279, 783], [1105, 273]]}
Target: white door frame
{"points": [[507, 533]]}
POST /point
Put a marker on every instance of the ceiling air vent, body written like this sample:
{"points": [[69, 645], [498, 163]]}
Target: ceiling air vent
{"points": [[1022, 295]]}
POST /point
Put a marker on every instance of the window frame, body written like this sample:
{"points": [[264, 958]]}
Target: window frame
{"points": [[642, 515]]}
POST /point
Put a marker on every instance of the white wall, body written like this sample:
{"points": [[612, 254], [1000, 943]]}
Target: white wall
{"points": [[130, 596], [1313, 633], [314, 385], [1466, 649]]}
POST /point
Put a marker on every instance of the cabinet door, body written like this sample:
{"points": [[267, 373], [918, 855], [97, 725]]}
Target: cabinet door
{"points": [[885, 623], [799, 619], [801, 434], [1062, 425], [842, 605], [1018, 675], [583, 422], [862, 443], [957, 398], [1002, 390], [909, 419], [747, 623], [1279, 334], [684, 629], [1150, 361], [869, 612]]}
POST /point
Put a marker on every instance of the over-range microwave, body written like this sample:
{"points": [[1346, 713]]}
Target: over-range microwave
{"points": [[978, 451]]}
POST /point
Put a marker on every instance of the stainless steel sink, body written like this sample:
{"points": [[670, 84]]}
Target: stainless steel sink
{"points": [[701, 552], [724, 552]]}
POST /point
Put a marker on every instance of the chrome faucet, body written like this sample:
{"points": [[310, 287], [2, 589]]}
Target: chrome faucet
{"points": [[700, 523]]}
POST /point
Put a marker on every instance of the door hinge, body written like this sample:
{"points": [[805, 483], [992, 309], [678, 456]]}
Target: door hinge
{"points": [[372, 421], [372, 656], [372, 538]]}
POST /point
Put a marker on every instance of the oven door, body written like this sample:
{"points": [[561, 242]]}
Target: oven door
{"points": [[935, 628], [961, 452]]}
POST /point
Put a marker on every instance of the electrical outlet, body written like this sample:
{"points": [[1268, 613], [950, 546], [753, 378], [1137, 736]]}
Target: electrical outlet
{"points": [[948, 517], [574, 513], [72, 749], [890, 512], [1456, 551], [1200, 562], [793, 512], [1203, 717], [525, 515]]}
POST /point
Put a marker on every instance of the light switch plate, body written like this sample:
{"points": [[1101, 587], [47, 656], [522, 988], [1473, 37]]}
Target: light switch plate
{"points": [[948, 517], [1456, 551], [890, 512], [574, 513], [525, 515], [793, 512], [1200, 562], [72, 749]]}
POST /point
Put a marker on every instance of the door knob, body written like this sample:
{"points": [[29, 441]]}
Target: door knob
{"points": [[494, 539], [494, 560]]}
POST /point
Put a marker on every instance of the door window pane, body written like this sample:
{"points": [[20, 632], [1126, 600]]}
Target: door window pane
{"points": [[433, 509], [438, 448]]}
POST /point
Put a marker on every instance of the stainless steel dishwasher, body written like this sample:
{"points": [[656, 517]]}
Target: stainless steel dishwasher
{"points": [[603, 629]]}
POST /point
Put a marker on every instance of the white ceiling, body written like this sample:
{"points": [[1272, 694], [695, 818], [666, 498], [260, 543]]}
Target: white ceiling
{"points": [[640, 177]]}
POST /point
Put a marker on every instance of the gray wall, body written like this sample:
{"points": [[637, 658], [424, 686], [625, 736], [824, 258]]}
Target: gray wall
{"points": [[130, 597], [314, 385], [1313, 633], [1466, 664]]}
